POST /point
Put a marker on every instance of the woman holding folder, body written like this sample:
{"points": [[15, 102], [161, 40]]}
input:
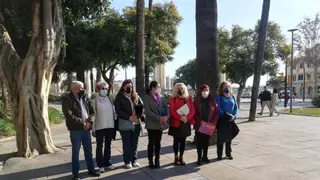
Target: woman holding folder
{"points": [[182, 117]]}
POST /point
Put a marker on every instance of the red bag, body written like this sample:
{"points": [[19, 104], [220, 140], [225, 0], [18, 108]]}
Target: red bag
{"points": [[206, 128]]}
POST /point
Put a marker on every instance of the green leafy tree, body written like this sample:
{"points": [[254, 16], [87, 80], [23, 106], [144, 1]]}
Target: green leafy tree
{"points": [[186, 74], [275, 82]]}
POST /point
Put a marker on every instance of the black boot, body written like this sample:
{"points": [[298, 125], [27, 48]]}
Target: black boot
{"points": [[205, 156], [228, 150], [157, 163], [151, 165], [199, 151], [219, 151]]}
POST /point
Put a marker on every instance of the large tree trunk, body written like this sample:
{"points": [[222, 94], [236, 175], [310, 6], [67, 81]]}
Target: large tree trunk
{"points": [[140, 81], [208, 69], [69, 81], [259, 59], [241, 88], [146, 76], [28, 80], [80, 75], [98, 75]]}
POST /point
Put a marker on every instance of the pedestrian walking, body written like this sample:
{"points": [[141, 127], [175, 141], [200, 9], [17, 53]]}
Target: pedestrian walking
{"points": [[274, 101], [266, 100]]}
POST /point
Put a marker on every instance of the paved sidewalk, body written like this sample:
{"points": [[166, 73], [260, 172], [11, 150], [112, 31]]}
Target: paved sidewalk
{"points": [[272, 148]]}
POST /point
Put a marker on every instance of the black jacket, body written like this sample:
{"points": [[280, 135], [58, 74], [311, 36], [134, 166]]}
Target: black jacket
{"points": [[123, 107], [266, 95], [72, 111]]}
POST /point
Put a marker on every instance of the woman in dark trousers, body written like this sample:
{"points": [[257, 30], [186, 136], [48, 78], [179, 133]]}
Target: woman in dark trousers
{"points": [[227, 128], [179, 122], [129, 108], [206, 110], [156, 116]]}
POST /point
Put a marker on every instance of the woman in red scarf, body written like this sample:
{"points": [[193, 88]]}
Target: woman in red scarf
{"points": [[182, 116]]}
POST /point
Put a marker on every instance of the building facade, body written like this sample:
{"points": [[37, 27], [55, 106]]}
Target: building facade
{"points": [[160, 75], [300, 75]]}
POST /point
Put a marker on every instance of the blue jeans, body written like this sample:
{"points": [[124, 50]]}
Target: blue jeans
{"points": [[104, 136], [130, 144], [78, 138]]}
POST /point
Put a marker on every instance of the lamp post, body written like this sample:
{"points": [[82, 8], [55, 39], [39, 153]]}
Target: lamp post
{"points": [[286, 83], [291, 68]]}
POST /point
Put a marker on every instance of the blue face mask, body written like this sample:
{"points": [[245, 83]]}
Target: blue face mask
{"points": [[226, 90], [103, 93]]}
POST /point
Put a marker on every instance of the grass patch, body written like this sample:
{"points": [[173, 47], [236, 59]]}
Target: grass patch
{"points": [[6, 127], [303, 111], [54, 116]]}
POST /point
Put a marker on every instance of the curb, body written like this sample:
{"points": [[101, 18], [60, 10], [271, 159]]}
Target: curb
{"points": [[6, 138]]}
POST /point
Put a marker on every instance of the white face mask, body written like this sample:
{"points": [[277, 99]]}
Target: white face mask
{"points": [[205, 94], [158, 91]]}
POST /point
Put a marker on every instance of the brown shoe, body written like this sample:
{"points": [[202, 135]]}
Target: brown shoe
{"points": [[181, 160], [176, 160]]}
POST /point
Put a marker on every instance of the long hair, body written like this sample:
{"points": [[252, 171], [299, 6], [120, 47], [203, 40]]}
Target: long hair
{"points": [[134, 96], [175, 89], [221, 87], [153, 84]]}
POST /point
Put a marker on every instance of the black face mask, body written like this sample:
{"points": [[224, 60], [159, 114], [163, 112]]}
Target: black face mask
{"points": [[181, 92], [128, 90], [81, 93]]}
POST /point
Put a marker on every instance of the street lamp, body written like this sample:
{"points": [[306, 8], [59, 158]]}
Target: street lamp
{"points": [[291, 68]]}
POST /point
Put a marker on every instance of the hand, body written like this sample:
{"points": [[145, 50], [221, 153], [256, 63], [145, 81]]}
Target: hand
{"points": [[86, 125], [184, 119], [93, 134], [133, 118], [163, 119]]}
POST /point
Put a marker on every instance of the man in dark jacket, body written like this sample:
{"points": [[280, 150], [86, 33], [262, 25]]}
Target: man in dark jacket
{"points": [[79, 118], [266, 100]]}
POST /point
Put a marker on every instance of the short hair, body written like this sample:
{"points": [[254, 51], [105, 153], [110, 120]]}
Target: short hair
{"points": [[101, 85], [75, 84], [221, 89]]}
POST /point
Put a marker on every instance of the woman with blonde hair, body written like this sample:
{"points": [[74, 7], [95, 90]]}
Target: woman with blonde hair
{"points": [[182, 113], [227, 128]]}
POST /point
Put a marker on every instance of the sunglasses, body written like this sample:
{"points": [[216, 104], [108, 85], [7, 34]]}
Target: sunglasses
{"points": [[104, 89]]}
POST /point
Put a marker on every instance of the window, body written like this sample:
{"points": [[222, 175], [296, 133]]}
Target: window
{"points": [[309, 76], [300, 77], [301, 65], [308, 65], [294, 77]]}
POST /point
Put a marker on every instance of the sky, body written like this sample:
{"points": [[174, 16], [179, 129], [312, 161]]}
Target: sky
{"points": [[287, 13]]}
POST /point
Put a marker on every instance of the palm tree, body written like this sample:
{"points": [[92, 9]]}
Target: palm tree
{"points": [[207, 62], [140, 81]]}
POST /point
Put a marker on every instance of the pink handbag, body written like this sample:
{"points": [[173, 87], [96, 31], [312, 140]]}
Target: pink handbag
{"points": [[206, 128]]}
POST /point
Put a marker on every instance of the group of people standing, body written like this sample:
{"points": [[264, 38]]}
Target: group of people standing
{"points": [[127, 113]]}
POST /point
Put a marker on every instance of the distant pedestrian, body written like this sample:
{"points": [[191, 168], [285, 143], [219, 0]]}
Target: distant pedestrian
{"points": [[266, 100], [103, 128], [79, 118], [274, 101], [260, 98]]}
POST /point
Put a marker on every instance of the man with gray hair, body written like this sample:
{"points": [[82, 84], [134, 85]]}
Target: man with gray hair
{"points": [[79, 118]]}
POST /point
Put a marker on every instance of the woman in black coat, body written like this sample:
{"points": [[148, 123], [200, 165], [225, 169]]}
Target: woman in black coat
{"points": [[129, 108]]}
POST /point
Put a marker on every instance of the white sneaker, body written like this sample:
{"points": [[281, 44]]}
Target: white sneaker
{"points": [[128, 166], [135, 164], [101, 170], [111, 167]]}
